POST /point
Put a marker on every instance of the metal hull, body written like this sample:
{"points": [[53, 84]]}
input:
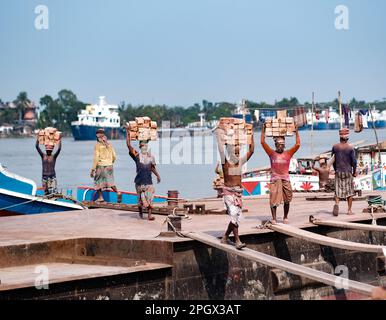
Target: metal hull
{"points": [[84, 133]]}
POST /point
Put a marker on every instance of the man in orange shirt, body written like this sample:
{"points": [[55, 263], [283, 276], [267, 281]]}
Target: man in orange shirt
{"points": [[280, 188]]}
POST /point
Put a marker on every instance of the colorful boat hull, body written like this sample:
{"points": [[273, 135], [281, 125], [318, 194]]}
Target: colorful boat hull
{"points": [[259, 185], [18, 196], [14, 203], [89, 194]]}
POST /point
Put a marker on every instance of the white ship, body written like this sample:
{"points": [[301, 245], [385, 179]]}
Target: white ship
{"points": [[98, 116]]}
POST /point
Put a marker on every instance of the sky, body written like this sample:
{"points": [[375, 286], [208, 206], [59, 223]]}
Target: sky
{"points": [[179, 52]]}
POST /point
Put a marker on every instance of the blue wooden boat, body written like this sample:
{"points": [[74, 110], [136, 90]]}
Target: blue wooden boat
{"points": [[89, 194], [18, 196]]}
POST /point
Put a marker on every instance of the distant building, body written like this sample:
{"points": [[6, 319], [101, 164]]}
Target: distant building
{"points": [[30, 115], [6, 129], [25, 126]]}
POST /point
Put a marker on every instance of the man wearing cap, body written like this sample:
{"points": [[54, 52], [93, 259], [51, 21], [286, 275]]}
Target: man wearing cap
{"points": [[145, 166], [345, 166], [102, 169], [49, 181], [280, 185]]}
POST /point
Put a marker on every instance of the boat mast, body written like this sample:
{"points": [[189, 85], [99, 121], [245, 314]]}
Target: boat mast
{"points": [[340, 109], [312, 122], [376, 134]]}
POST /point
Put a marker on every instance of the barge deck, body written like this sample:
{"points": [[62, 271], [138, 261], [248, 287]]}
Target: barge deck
{"points": [[128, 258]]}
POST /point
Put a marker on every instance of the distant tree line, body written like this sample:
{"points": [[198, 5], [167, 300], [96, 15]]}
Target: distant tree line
{"points": [[60, 111]]}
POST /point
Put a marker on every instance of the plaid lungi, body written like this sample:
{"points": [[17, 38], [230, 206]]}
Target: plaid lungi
{"points": [[50, 185], [104, 177], [344, 185], [145, 195], [233, 203]]}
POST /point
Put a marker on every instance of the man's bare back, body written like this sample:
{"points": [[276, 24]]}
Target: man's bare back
{"points": [[232, 174]]}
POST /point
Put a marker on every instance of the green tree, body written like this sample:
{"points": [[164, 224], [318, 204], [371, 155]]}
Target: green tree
{"points": [[22, 103], [60, 112]]}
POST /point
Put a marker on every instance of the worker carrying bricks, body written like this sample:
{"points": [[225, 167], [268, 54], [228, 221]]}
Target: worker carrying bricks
{"points": [[231, 134], [103, 166], [50, 137], [345, 166], [144, 130], [280, 185]]}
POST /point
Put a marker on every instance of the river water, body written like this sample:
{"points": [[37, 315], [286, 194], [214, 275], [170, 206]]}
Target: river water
{"points": [[185, 164]]}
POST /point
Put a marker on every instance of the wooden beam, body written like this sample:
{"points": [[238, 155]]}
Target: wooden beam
{"points": [[131, 207], [348, 225], [273, 262], [323, 240]]}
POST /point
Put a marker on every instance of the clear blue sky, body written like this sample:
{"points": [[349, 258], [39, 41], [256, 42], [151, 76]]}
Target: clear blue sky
{"points": [[180, 52]]}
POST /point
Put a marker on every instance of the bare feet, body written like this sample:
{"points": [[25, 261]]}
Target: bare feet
{"points": [[286, 221], [240, 245], [225, 240], [273, 221], [378, 293], [335, 211], [100, 200], [350, 213]]}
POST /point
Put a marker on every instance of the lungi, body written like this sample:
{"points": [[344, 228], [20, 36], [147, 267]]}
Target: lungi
{"points": [[50, 185], [280, 191], [145, 195], [344, 185], [104, 177], [233, 203]]}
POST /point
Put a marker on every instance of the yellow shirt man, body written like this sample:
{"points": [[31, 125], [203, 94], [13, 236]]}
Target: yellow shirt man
{"points": [[104, 155]]}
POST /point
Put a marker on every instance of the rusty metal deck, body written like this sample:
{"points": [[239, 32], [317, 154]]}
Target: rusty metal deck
{"points": [[116, 224]]}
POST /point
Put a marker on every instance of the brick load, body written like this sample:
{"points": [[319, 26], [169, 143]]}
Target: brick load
{"points": [[49, 136], [280, 127], [235, 131], [142, 129]]}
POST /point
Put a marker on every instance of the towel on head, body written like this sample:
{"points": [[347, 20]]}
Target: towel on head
{"points": [[280, 140], [344, 133]]}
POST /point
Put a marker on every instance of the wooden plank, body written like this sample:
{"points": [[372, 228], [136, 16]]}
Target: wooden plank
{"points": [[348, 225], [290, 267], [101, 261], [332, 198], [130, 207], [323, 240]]}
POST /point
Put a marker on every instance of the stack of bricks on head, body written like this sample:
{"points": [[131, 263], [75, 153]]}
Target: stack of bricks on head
{"points": [[281, 126], [142, 129], [49, 136], [236, 131]]}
